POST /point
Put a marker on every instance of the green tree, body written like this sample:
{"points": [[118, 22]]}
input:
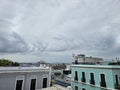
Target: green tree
{"points": [[6, 62], [15, 64]]}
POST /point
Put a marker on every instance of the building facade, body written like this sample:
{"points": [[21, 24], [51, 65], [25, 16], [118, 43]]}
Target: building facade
{"points": [[95, 77], [24, 78], [81, 58]]}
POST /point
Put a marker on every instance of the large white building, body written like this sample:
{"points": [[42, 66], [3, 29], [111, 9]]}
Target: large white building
{"points": [[81, 58], [24, 78]]}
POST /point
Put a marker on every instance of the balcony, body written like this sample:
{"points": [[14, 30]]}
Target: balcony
{"points": [[117, 86], [83, 80], [92, 82], [76, 78], [103, 84]]}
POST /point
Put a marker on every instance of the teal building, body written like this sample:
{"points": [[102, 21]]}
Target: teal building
{"points": [[95, 77]]}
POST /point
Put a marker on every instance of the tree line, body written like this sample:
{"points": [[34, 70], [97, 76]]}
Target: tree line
{"points": [[6, 62]]}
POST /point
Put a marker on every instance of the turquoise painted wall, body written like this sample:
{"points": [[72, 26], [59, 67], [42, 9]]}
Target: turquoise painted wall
{"points": [[116, 72], [109, 77]]}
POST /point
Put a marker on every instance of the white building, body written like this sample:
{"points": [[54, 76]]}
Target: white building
{"points": [[24, 78], [81, 58]]}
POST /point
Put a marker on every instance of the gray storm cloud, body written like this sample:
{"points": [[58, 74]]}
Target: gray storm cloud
{"points": [[11, 43], [60, 26]]}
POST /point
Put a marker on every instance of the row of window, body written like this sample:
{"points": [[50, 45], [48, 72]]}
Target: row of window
{"points": [[19, 84], [92, 80], [83, 79]]}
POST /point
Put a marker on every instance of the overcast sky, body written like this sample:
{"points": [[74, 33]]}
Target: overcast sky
{"points": [[52, 30]]}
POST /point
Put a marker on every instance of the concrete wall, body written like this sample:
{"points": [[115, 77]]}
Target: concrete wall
{"points": [[8, 80]]}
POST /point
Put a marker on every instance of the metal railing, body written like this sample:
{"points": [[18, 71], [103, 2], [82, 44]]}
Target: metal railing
{"points": [[117, 86]]}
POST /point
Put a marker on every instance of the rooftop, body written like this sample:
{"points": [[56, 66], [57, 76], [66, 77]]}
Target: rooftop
{"points": [[22, 69], [97, 66]]}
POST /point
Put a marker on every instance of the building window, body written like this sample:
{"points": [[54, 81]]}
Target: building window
{"points": [[33, 84], [44, 82], [103, 82], [76, 61], [116, 79], [76, 76], [92, 81], [83, 89], [83, 77], [76, 87], [117, 86], [19, 85]]}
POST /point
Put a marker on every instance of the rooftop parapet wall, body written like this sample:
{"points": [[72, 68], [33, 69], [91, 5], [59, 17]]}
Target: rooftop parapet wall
{"points": [[96, 66], [23, 69]]}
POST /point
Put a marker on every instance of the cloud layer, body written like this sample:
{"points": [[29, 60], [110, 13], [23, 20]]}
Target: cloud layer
{"points": [[12, 43], [60, 27]]}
